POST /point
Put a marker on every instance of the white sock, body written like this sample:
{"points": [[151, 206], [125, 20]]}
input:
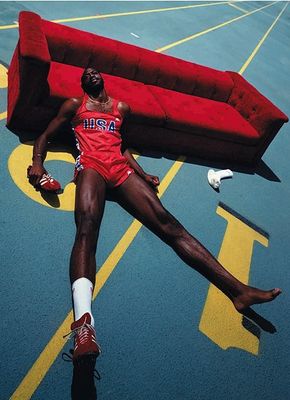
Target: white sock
{"points": [[82, 292]]}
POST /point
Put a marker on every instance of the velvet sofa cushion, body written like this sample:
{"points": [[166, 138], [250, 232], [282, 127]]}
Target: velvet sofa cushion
{"points": [[196, 115], [64, 82], [144, 107], [78, 48]]}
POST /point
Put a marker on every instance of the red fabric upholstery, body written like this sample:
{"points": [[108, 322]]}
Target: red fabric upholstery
{"points": [[177, 106], [64, 79], [144, 107], [14, 86], [253, 106], [74, 47], [196, 115], [33, 43], [139, 136]]}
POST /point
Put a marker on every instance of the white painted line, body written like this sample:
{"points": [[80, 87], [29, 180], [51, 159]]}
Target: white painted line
{"points": [[238, 8], [134, 34]]}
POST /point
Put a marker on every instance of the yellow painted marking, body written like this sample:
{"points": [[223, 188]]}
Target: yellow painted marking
{"points": [[12, 26], [3, 115], [3, 77], [214, 28], [226, 330], [249, 60], [47, 357], [18, 162], [108, 267], [123, 14], [45, 360], [238, 8], [220, 322]]}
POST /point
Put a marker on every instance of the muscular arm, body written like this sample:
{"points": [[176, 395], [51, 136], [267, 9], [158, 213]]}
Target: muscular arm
{"points": [[65, 114], [124, 109]]}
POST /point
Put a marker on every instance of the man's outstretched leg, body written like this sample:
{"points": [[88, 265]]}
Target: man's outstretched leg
{"points": [[89, 208], [141, 201]]}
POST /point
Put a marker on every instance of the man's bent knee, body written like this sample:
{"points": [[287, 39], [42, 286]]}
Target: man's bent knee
{"points": [[170, 228]]}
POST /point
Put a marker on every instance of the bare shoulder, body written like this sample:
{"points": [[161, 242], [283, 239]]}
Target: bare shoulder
{"points": [[70, 106], [124, 108], [73, 102]]}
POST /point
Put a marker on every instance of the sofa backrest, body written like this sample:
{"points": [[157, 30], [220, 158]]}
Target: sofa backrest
{"points": [[75, 47]]}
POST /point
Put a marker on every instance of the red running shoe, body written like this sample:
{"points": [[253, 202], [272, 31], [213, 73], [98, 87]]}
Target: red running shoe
{"points": [[47, 183], [85, 339]]}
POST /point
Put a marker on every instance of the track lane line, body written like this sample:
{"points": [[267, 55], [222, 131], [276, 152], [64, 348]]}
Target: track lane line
{"points": [[237, 8], [49, 354], [249, 60], [123, 14], [213, 28]]}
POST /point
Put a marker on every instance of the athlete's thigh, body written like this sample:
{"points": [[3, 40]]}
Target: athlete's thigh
{"points": [[141, 201], [90, 195]]}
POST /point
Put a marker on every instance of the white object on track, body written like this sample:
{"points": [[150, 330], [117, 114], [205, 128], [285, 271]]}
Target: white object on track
{"points": [[214, 177]]}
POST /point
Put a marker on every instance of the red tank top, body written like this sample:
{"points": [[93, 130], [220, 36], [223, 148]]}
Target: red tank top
{"points": [[98, 133]]}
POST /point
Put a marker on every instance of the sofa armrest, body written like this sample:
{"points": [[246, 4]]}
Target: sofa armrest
{"points": [[260, 112], [32, 40], [34, 60], [28, 70]]}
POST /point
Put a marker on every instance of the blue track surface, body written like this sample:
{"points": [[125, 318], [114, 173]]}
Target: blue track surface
{"points": [[148, 312]]}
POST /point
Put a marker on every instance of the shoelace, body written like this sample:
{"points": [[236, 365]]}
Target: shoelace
{"points": [[45, 178], [82, 331], [83, 334], [69, 358]]}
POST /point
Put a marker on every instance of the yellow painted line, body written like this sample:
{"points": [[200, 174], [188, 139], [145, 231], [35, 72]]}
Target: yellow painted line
{"points": [[238, 8], [47, 357], [123, 14], [214, 28], [12, 26], [225, 329], [3, 77], [110, 264], [249, 60], [3, 115]]}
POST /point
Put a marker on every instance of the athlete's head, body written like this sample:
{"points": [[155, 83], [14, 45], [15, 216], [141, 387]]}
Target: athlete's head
{"points": [[92, 82]]}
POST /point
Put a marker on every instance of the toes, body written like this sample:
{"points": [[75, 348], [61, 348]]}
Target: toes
{"points": [[276, 292]]}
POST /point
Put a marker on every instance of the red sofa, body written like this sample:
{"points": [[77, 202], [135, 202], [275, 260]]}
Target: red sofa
{"points": [[177, 107]]}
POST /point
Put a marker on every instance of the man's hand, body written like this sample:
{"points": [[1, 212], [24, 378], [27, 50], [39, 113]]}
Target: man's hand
{"points": [[35, 173], [152, 180]]}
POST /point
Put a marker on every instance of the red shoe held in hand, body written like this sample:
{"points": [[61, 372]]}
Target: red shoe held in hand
{"points": [[47, 183]]}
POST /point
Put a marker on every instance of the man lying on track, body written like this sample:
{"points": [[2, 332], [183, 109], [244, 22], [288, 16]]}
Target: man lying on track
{"points": [[96, 119]]}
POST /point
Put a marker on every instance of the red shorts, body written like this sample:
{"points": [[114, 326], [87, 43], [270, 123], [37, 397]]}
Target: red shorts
{"points": [[114, 172]]}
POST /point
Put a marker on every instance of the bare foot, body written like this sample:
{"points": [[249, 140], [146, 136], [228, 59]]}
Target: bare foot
{"points": [[254, 296]]}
